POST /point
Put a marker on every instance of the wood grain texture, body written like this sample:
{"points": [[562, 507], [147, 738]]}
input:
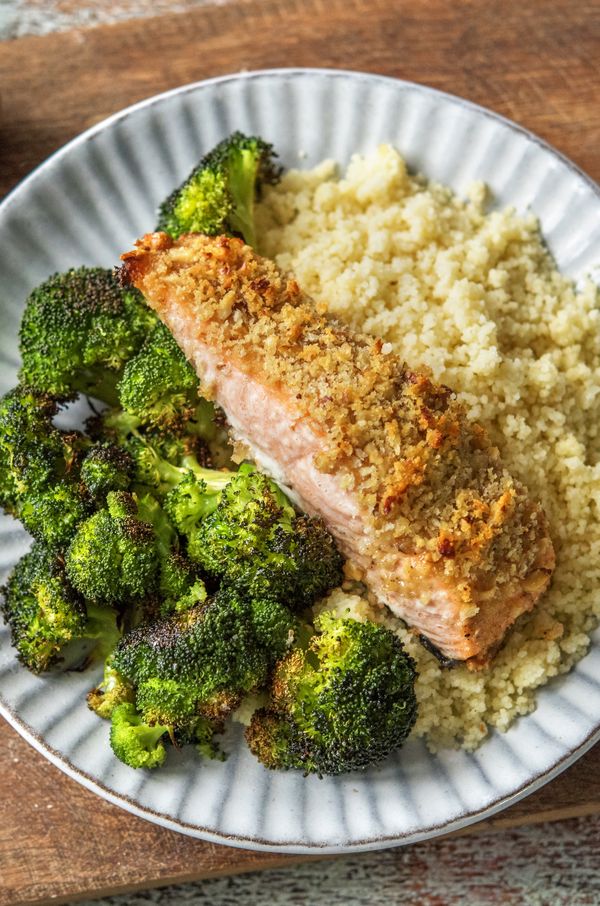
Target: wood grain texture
{"points": [[537, 63], [528, 866]]}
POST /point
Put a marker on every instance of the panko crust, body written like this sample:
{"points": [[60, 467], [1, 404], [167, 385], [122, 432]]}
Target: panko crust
{"points": [[429, 482]]}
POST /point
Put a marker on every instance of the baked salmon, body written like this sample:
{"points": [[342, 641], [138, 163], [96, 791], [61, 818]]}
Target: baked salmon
{"points": [[414, 492]]}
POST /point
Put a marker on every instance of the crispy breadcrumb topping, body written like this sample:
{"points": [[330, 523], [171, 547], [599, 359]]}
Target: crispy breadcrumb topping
{"points": [[427, 479]]}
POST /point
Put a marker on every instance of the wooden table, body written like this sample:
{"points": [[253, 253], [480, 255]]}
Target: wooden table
{"points": [[535, 62]]}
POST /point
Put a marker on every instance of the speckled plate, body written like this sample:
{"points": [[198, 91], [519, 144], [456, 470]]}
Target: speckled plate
{"points": [[89, 202]]}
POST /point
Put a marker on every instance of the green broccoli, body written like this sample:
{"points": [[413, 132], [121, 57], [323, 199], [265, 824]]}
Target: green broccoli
{"points": [[342, 704], [78, 330], [200, 662], [159, 386], [106, 467], [242, 529], [45, 613], [162, 456], [180, 586], [113, 556], [39, 466], [112, 691], [135, 742], [218, 196]]}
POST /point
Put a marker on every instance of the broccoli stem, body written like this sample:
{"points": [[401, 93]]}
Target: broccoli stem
{"points": [[122, 422], [242, 177], [101, 385], [149, 736], [102, 625], [214, 480]]}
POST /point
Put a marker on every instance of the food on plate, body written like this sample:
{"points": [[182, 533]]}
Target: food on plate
{"points": [[135, 742], [190, 671], [203, 586], [112, 556], [341, 702], [46, 615], [219, 194], [78, 330], [247, 533], [38, 463], [414, 492], [158, 386], [453, 282]]}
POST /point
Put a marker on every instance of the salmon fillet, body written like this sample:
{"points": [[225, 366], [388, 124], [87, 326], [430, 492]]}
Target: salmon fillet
{"points": [[414, 492]]}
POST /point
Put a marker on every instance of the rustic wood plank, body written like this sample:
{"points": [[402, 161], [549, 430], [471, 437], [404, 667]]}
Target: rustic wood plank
{"points": [[537, 63]]}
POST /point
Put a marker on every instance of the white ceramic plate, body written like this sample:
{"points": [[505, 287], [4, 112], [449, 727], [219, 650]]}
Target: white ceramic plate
{"points": [[88, 203]]}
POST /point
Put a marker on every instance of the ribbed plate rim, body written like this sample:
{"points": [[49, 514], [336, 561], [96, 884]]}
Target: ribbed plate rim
{"points": [[256, 843], [195, 830], [296, 72]]}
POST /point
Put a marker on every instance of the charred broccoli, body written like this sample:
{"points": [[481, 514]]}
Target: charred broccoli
{"points": [[78, 331], [38, 467], [113, 556], [342, 704], [45, 613], [180, 586], [161, 456], [199, 663], [218, 196], [106, 467], [112, 691], [242, 529], [159, 386]]}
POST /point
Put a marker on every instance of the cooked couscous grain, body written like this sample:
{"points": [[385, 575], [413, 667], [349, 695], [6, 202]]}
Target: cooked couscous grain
{"points": [[477, 298]]}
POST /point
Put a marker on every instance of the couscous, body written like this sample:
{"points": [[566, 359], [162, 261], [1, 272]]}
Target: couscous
{"points": [[476, 297]]}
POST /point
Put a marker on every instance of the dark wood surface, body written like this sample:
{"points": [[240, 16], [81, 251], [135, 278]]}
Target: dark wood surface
{"points": [[535, 62]]}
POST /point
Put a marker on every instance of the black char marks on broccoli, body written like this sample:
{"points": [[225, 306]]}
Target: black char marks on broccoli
{"points": [[112, 557], [161, 456], [112, 691], [181, 587], [248, 534], [218, 196], [78, 330], [45, 613], [106, 467], [202, 661], [343, 704]]}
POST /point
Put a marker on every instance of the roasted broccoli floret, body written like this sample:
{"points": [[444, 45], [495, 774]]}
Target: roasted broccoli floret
{"points": [[161, 457], [242, 529], [113, 690], [45, 613], [39, 466], [342, 704], [159, 386], [78, 330], [218, 196], [180, 586], [113, 556], [106, 467], [202, 661], [135, 742]]}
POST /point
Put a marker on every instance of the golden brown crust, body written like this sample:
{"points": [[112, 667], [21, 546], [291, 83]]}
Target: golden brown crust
{"points": [[430, 480]]}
